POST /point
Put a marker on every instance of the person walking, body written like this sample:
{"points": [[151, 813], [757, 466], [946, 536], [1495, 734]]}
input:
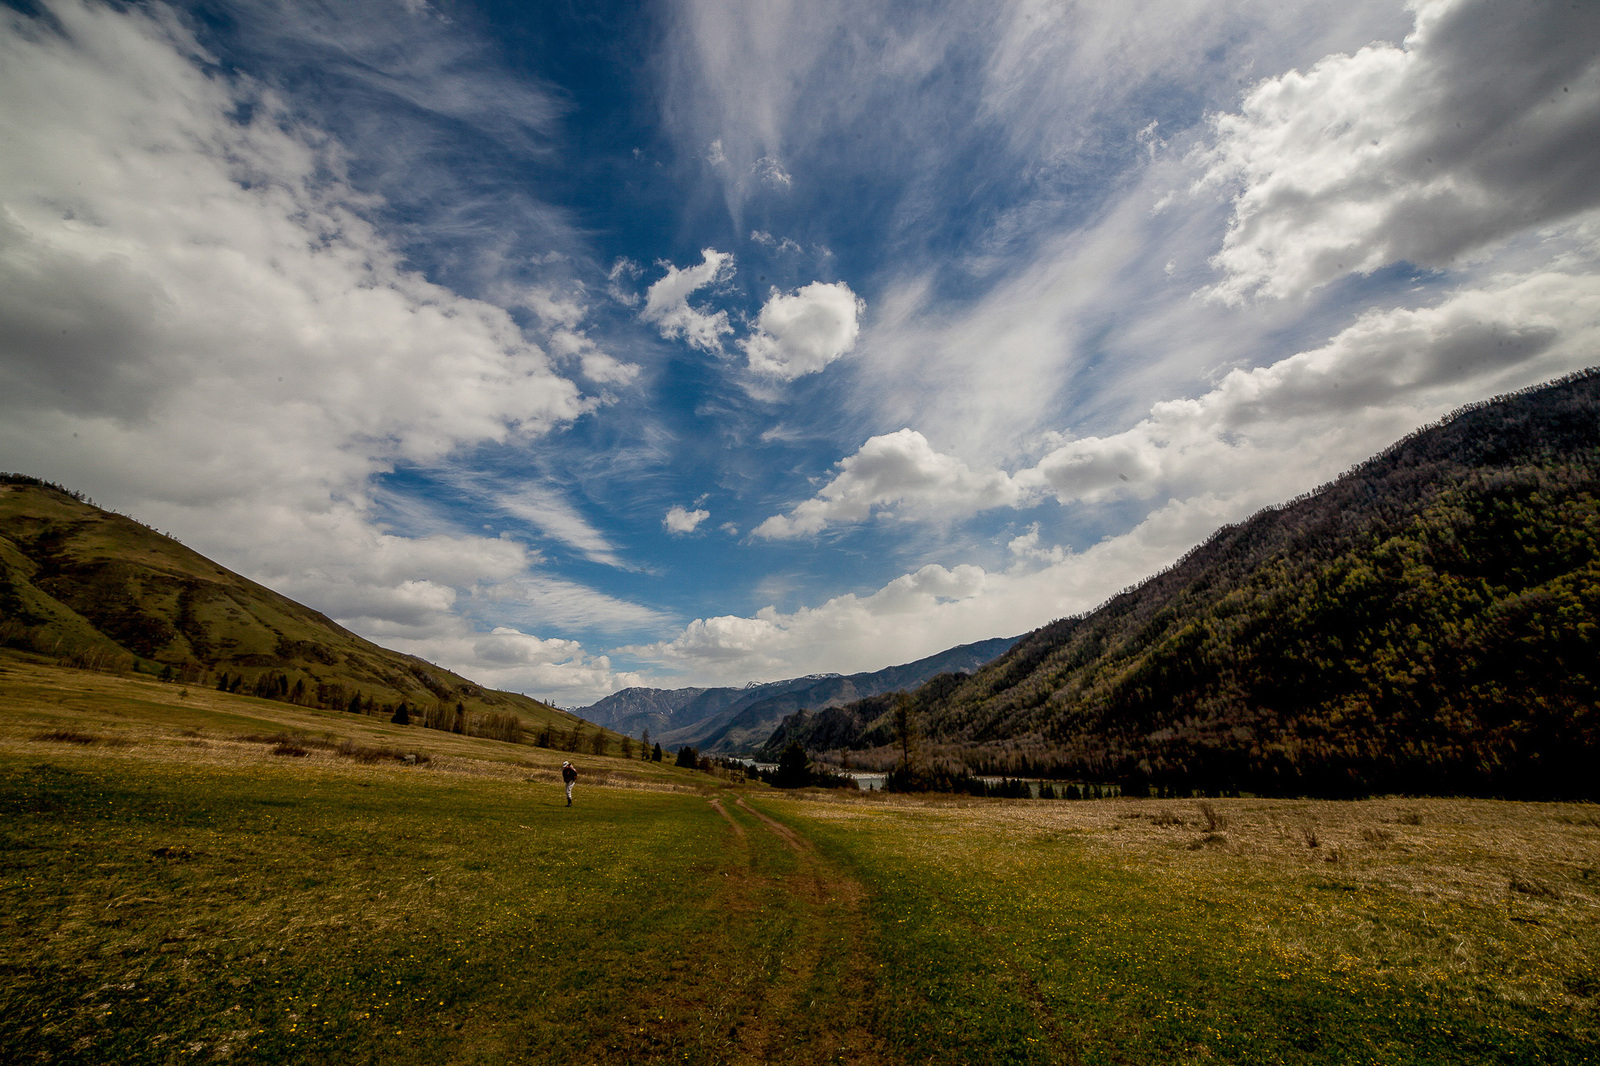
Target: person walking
{"points": [[569, 774]]}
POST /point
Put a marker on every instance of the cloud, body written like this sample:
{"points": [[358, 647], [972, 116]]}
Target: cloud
{"points": [[1285, 427], [1484, 123], [680, 520], [733, 646], [899, 468], [624, 269], [785, 245], [556, 670], [771, 173], [546, 509], [452, 76], [928, 610], [200, 324], [1278, 429], [1026, 546], [160, 256], [666, 302], [596, 365], [800, 333]]}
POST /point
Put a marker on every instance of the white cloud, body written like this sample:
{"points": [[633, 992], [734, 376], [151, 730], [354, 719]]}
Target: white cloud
{"points": [[666, 302], [771, 173], [1486, 122], [1026, 546], [1261, 434], [800, 333], [786, 244], [681, 520], [551, 513], [160, 257], [1283, 428], [881, 624], [623, 270], [556, 670], [596, 365], [898, 468], [199, 325], [936, 607]]}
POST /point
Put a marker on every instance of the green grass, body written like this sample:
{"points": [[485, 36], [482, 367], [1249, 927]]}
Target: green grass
{"points": [[153, 912], [1050, 937], [171, 891]]}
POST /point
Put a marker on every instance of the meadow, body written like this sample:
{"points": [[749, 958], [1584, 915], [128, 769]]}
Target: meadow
{"points": [[1261, 931], [192, 876]]}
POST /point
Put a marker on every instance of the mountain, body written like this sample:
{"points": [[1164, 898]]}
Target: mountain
{"points": [[740, 719], [1427, 623], [100, 590]]}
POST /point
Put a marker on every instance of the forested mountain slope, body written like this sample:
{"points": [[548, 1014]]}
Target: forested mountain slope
{"points": [[739, 719], [1429, 622]]}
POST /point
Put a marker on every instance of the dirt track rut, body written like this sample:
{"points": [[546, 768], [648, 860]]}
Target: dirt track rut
{"points": [[816, 1007]]}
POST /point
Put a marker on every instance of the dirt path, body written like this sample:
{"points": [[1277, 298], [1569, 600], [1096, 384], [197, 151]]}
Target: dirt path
{"points": [[816, 1006]]}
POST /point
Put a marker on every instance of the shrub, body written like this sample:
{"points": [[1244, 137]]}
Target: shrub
{"points": [[1214, 820]]}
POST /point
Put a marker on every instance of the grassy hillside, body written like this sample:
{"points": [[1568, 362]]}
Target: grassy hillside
{"points": [[1428, 623], [179, 885], [93, 588]]}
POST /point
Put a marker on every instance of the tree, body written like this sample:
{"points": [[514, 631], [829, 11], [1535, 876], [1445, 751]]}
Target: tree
{"points": [[655, 753], [794, 767], [905, 728], [402, 714], [687, 757], [355, 704]]}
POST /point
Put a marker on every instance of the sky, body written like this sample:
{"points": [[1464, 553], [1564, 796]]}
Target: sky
{"points": [[576, 345]]}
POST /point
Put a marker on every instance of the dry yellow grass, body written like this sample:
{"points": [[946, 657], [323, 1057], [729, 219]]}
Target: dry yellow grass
{"points": [[1483, 900], [135, 717]]}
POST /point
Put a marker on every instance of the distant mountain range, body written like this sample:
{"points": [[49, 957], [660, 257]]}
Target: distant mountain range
{"points": [[740, 720], [98, 589], [1427, 623]]}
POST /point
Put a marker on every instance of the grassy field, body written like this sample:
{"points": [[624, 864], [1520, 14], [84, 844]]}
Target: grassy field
{"points": [[174, 890], [1401, 931]]}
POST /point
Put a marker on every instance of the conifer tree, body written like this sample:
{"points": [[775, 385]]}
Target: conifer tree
{"points": [[794, 767]]}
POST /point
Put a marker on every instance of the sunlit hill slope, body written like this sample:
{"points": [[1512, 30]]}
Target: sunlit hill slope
{"points": [[98, 589]]}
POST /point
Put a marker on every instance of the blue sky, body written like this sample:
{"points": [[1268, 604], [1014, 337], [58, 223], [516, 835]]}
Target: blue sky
{"points": [[578, 346]]}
